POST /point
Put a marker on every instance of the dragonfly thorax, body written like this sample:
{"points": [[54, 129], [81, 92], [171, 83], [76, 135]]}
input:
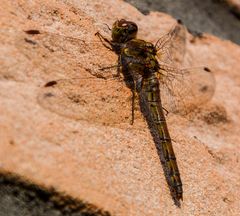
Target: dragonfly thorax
{"points": [[138, 56]]}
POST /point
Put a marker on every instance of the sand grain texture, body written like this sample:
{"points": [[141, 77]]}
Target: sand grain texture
{"points": [[115, 167]]}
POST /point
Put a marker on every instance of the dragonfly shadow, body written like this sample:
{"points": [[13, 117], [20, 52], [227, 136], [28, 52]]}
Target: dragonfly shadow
{"points": [[157, 141]]}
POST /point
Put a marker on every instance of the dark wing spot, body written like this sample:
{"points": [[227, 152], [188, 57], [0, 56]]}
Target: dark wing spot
{"points": [[51, 83], [32, 31], [207, 69]]}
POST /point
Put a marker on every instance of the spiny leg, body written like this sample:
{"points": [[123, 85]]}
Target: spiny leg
{"points": [[102, 39], [165, 110], [118, 66], [110, 46], [107, 26], [109, 67]]}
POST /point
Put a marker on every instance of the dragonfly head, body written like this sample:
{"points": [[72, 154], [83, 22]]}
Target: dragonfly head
{"points": [[123, 31]]}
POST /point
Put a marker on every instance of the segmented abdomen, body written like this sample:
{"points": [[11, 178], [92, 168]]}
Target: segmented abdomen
{"points": [[153, 102]]}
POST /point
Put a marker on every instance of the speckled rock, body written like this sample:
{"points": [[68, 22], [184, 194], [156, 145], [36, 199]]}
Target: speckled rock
{"points": [[114, 165]]}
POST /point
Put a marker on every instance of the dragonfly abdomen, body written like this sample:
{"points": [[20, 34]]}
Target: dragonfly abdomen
{"points": [[151, 89]]}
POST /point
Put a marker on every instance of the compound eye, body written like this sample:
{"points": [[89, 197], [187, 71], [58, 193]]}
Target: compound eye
{"points": [[122, 23], [132, 28]]}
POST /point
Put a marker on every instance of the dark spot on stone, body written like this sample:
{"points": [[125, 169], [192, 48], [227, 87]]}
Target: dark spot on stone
{"points": [[48, 94], [30, 41], [179, 21], [217, 156], [226, 200], [204, 88], [49, 48], [77, 99], [32, 31], [51, 83], [216, 116], [11, 142]]}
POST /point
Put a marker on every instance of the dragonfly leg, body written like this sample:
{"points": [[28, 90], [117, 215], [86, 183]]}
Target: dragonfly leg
{"points": [[109, 67], [165, 111], [104, 41], [107, 26], [118, 66]]}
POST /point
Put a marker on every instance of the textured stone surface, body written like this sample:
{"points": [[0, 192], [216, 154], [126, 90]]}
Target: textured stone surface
{"points": [[217, 17], [19, 197], [114, 166]]}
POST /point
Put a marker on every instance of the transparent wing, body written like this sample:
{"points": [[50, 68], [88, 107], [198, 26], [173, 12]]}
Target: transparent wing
{"points": [[171, 47], [85, 53], [90, 99], [182, 90], [179, 88]]}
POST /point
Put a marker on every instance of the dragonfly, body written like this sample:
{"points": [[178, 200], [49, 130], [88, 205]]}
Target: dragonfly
{"points": [[146, 72]]}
